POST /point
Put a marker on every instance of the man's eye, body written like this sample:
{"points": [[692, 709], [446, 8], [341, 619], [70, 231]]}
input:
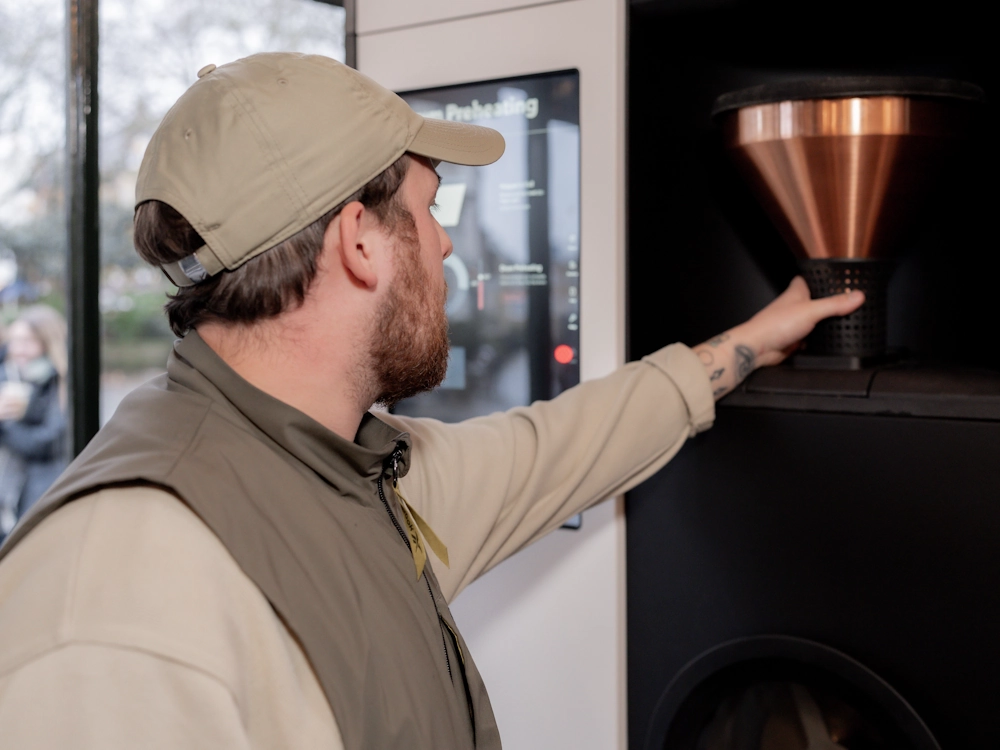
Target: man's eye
{"points": [[435, 206]]}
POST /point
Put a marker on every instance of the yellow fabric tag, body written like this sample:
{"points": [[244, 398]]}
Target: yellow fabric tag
{"points": [[415, 526], [416, 545]]}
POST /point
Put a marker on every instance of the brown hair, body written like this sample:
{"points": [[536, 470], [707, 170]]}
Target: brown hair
{"points": [[268, 284]]}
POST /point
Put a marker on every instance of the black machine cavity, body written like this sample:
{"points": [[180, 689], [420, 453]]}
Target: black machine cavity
{"points": [[819, 568]]}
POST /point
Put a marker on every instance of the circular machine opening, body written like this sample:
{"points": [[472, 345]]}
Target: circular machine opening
{"points": [[782, 693]]}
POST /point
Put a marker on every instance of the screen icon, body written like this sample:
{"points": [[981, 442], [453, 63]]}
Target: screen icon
{"points": [[564, 354]]}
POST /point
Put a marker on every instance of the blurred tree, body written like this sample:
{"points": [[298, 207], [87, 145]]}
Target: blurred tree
{"points": [[32, 138]]}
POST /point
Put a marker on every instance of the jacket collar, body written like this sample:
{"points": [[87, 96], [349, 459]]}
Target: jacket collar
{"points": [[195, 365]]}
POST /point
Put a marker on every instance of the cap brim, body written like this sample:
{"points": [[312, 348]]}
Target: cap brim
{"points": [[457, 142]]}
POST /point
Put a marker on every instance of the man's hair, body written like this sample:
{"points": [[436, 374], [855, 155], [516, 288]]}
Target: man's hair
{"points": [[265, 286]]}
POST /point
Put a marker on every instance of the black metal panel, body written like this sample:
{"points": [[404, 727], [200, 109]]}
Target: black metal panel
{"points": [[903, 389], [874, 535], [83, 188]]}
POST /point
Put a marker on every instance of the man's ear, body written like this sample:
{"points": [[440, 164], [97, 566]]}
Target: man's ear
{"points": [[350, 238]]}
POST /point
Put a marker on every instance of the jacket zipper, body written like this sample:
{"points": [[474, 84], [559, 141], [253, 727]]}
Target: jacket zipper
{"points": [[385, 503]]}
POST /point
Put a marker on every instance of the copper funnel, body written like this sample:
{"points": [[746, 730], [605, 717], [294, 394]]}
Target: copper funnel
{"points": [[842, 165]]}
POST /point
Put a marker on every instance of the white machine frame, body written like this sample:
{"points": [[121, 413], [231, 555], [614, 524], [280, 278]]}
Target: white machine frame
{"points": [[547, 627]]}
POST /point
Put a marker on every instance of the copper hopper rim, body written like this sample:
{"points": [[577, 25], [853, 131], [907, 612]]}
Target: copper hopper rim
{"points": [[848, 87], [842, 163]]}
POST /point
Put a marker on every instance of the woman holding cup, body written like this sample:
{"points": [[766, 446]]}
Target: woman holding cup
{"points": [[32, 410]]}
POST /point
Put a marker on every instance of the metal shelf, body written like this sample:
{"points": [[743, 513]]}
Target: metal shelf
{"points": [[911, 389]]}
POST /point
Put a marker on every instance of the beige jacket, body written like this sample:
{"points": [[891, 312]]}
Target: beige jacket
{"points": [[124, 622]]}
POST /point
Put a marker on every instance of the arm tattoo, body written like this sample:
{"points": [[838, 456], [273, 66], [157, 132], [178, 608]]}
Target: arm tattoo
{"points": [[745, 360], [717, 374], [706, 357], [719, 391], [718, 339]]}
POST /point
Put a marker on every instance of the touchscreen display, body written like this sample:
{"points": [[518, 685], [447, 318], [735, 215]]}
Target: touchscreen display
{"points": [[514, 275]]}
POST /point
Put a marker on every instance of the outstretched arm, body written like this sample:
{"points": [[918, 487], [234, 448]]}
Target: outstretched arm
{"points": [[491, 485], [770, 335]]}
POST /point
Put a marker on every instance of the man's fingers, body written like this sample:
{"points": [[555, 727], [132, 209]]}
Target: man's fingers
{"points": [[777, 329], [838, 304], [797, 291], [799, 285]]}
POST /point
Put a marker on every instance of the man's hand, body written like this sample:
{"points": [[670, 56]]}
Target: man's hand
{"points": [[770, 335]]}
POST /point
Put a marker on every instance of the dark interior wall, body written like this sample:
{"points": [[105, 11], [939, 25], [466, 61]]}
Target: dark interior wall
{"points": [[875, 535], [702, 254]]}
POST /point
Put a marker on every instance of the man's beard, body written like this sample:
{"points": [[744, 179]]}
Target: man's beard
{"points": [[409, 339]]}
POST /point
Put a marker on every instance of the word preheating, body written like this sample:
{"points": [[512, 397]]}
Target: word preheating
{"points": [[527, 108]]}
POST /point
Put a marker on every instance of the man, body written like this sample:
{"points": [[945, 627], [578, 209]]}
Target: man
{"points": [[245, 556]]}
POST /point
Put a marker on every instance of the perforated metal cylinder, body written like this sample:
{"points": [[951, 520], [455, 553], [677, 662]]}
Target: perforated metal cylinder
{"points": [[863, 332]]}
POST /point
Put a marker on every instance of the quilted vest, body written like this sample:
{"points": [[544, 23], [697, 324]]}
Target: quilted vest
{"points": [[312, 520]]}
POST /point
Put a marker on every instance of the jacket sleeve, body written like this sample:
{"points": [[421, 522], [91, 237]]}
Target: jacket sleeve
{"points": [[126, 624], [95, 697], [490, 486]]}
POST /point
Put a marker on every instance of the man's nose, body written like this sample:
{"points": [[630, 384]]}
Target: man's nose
{"points": [[446, 244]]}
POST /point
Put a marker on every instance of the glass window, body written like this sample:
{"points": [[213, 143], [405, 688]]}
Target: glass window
{"points": [[150, 53], [33, 397]]}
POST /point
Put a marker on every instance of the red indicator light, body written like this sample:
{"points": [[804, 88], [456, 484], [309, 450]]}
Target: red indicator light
{"points": [[564, 354]]}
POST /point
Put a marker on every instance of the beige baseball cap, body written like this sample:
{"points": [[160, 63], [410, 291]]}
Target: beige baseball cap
{"points": [[260, 148]]}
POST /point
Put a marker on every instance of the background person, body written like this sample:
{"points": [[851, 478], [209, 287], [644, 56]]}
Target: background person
{"points": [[32, 410]]}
